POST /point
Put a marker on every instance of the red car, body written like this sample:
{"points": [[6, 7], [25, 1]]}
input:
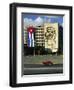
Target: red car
{"points": [[47, 63]]}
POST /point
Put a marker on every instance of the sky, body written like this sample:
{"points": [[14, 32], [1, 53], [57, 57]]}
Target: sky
{"points": [[38, 20]]}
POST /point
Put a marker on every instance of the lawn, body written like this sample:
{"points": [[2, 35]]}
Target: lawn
{"points": [[38, 59]]}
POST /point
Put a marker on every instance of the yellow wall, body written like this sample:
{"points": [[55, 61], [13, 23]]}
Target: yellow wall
{"points": [[51, 36]]}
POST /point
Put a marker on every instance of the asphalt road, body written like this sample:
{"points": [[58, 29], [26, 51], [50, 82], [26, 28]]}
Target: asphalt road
{"points": [[30, 69]]}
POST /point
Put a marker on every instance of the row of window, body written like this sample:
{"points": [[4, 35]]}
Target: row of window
{"points": [[40, 40], [39, 35]]}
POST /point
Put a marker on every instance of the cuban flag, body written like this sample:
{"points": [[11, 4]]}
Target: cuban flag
{"points": [[31, 37]]}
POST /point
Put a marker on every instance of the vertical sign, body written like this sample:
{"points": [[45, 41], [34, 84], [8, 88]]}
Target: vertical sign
{"points": [[51, 36]]}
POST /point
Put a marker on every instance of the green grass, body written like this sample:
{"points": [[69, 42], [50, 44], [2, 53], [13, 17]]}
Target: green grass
{"points": [[38, 59]]}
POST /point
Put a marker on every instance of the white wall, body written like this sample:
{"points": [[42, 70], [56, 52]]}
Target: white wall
{"points": [[4, 43]]}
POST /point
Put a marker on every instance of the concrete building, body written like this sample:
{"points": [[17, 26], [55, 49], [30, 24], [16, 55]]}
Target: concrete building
{"points": [[46, 36], [25, 36], [39, 36]]}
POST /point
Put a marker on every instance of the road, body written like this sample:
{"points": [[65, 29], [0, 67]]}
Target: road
{"points": [[42, 69]]}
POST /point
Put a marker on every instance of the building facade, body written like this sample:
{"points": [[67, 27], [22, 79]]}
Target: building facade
{"points": [[39, 36], [45, 36], [51, 36]]}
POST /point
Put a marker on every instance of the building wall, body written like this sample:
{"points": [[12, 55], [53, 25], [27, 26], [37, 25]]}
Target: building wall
{"points": [[51, 36], [39, 36], [25, 36]]}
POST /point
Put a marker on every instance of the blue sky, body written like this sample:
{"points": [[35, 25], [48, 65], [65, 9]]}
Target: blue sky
{"points": [[30, 18]]}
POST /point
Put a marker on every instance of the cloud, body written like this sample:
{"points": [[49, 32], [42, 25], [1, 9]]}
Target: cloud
{"points": [[39, 21], [30, 22]]}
